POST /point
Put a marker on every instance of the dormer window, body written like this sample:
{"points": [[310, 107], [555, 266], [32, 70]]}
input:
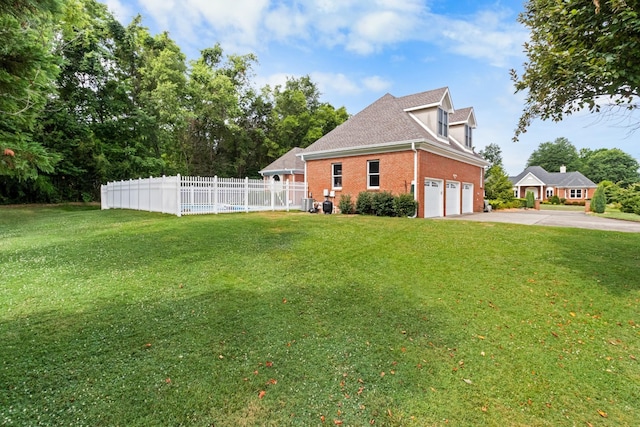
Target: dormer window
{"points": [[468, 136], [443, 123]]}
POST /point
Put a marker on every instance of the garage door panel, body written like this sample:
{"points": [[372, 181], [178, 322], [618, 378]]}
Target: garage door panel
{"points": [[433, 192], [467, 198], [453, 198]]}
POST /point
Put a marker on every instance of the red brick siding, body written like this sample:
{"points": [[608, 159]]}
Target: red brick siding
{"points": [[434, 166], [396, 174]]}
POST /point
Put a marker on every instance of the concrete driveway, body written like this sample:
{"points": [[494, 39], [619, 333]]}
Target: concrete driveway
{"points": [[552, 218]]}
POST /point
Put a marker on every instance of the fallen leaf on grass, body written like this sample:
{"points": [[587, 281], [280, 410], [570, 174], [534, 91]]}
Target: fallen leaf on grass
{"points": [[572, 314], [484, 409], [467, 381], [168, 381], [261, 394], [268, 364], [602, 413], [554, 334], [337, 422], [632, 357], [322, 418], [272, 381]]}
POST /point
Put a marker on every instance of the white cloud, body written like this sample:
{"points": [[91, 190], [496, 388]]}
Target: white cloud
{"points": [[120, 11], [376, 84], [337, 83], [488, 35]]}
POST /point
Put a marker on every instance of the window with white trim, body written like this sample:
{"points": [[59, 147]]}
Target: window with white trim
{"points": [[549, 192], [468, 136], [575, 193], [443, 123], [373, 174], [336, 175]]}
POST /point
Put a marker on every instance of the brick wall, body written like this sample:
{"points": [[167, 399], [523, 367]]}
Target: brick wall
{"points": [[396, 174]]}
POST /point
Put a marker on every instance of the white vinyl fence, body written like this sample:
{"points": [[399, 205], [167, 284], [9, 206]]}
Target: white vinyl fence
{"points": [[192, 195]]}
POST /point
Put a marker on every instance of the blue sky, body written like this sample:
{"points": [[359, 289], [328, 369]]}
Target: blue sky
{"points": [[358, 50]]}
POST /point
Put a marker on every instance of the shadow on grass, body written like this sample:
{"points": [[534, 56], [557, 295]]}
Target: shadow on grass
{"points": [[204, 358], [608, 259]]}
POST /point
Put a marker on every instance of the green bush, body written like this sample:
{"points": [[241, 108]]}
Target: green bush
{"points": [[554, 200], [382, 204], [364, 204], [405, 205], [629, 199], [531, 200], [599, 201], [346, 204]]}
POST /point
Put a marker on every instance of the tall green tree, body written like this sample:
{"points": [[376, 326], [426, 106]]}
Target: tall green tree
{"points": [[493, 154], [298, 117], [611, 165], [582, 54], [552, 155], [28, 68], [498, 186]]}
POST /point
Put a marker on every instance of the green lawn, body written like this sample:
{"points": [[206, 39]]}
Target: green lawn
{"points": [[124, 318]]}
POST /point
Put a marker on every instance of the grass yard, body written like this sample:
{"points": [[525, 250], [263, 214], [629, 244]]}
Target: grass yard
{"points": [[124, 318]]}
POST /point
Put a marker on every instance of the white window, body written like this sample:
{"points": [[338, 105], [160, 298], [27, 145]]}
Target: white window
{"points": [[373, 174], [549, 192], [468, 136], [576, 193], [336, 175], [443, 123]]}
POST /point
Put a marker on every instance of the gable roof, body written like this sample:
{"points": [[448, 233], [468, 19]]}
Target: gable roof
{"points": [[286, 164], [463, 115], [555, 179], [387, 122]]}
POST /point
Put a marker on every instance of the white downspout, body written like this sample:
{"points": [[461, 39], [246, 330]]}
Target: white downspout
{"points": [[415, 176]]}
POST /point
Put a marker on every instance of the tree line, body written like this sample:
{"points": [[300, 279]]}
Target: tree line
{"points": [[85, 100]]}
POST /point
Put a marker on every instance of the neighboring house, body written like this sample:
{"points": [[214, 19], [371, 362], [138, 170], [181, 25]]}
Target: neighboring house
{"points": [[572, 186], [288, 167], [413, 144]]}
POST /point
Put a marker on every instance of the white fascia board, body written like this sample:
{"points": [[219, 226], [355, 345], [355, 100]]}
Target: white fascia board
{"points": [[450, 153], [462, 146], [281, 172], [421, 107], [520, 184], [430, 131], [361, 150]]}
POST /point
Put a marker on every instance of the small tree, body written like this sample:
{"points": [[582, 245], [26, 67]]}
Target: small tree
{"points": [[531, 199], [346, 204], [599, 201], [498, 186]]}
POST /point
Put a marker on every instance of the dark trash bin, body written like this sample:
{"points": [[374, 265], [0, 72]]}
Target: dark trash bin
{"points": [[327, 206]]}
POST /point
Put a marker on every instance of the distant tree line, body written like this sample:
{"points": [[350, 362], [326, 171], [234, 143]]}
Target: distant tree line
{"points": [[85, 100]]}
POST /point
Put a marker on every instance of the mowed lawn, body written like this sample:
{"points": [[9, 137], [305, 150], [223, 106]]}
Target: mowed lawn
{"points": [[124, 318]]}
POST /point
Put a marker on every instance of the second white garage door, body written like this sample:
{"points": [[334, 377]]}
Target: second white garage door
{"points": [[453, 198]]}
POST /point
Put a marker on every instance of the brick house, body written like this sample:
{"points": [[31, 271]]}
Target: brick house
{"points": [[572, 186], [413, 144]]}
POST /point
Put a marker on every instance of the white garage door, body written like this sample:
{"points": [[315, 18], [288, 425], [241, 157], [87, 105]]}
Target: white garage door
{"points": [[467, 198], [453, 198], [432, 198]]}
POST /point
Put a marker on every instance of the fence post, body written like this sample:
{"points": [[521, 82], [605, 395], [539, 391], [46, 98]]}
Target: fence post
{"points": [[179, 194], [246, 194], [272, 191], [215, 194], [286, 192]]}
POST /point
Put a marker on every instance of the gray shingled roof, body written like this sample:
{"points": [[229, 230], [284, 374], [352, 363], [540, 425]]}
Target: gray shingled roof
{"points": [[556, 179], [461, 115], [384, 121], [287, 162]]}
